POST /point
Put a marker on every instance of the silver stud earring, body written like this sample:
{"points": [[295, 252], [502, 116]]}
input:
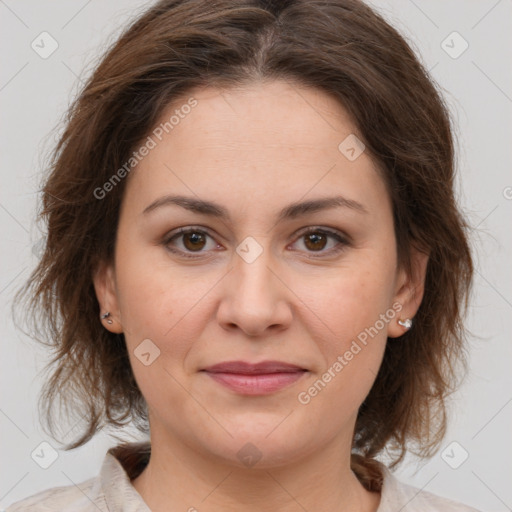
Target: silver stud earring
{"points": [[407, 323], [106, 315]]}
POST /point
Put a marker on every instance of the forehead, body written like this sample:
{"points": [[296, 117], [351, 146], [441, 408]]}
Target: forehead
{"points": [[265, 139], [280, 114]]}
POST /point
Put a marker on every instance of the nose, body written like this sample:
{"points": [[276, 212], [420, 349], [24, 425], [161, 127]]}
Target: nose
{"points": [[255, 297]]}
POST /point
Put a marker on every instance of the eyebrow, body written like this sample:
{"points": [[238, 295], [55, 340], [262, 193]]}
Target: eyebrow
{"points": [[291, 211]]}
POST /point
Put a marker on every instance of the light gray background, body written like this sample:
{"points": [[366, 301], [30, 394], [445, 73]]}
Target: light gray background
{"points": [[34, 93]]}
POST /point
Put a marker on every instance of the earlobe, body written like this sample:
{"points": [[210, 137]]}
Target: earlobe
{"points": [[409, 293], [105, 288], [406, 324]]}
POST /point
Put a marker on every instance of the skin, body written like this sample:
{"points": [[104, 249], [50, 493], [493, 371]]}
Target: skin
{"points": [[254, 150]]}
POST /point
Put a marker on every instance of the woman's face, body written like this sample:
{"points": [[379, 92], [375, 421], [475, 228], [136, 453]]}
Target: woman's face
{"points": [[246, 282]]}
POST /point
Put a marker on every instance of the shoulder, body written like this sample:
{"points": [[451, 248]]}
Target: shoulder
{"points": [[70, 498], [110, 490], [399, 496]]}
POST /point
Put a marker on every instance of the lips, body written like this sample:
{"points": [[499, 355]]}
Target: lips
{"points": [[262, 368], [261, 378]]}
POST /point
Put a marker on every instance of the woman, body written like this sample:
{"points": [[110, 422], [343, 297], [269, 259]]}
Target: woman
{"points": [[254, 254]]}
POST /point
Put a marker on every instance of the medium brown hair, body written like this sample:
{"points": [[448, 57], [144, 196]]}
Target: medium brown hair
{"points": [[341, 47]]}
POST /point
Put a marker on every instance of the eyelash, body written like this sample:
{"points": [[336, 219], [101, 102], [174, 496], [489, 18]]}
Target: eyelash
{"points": [[342, 241]]}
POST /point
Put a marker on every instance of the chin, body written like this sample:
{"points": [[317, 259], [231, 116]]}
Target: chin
{"points": [[262, 446]]}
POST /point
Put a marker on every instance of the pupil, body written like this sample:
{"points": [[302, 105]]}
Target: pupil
{"points": [[315, 238], [194, 238]]}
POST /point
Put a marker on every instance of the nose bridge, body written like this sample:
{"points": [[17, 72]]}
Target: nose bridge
{"points": [[252, 271], [254, 298]]}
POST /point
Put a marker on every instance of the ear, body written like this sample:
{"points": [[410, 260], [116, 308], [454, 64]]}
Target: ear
{"points": [[106, 293], [409, 291]]}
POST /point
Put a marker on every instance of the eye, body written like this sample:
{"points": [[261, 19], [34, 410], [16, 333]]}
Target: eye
{"points": [[193, 240], [317, 239], [187, 241]]}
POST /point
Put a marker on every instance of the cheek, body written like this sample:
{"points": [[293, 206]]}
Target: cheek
{"points": [[152, 298], [145, 302], [350, 337], [352, 300], [350, 317], [157, 305]]}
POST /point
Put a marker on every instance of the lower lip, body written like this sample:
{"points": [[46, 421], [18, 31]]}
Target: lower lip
{"points": [[256, 384]]}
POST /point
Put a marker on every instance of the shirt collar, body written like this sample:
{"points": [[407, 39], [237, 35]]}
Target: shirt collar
{"points": [[122, 464], [125, 462]]}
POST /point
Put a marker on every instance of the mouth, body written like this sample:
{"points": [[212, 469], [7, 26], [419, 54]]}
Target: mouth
{"points": [[255, 378]]}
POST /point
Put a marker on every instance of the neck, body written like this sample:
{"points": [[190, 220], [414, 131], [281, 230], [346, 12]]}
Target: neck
{"points": [[178, 478]]}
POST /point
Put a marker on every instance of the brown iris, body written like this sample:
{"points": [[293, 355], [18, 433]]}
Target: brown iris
{"points": [[194, 241], [315, 241]]}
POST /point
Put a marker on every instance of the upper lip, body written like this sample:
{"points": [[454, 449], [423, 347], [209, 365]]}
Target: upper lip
{"points": [[244, 368]]}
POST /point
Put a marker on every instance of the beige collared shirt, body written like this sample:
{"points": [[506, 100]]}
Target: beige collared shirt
{"points": [[112, 490]]}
